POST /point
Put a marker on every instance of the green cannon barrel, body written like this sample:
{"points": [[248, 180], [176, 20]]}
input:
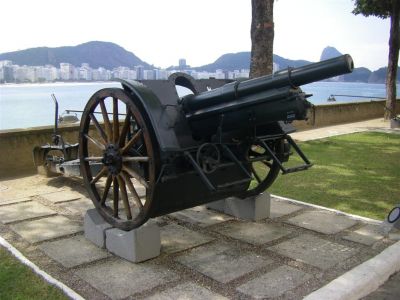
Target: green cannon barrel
{"points": [[259, 101], [290, 77]]}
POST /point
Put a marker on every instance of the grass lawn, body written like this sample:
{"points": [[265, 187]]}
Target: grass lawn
{"points": [[17, 281], [355, 173]]}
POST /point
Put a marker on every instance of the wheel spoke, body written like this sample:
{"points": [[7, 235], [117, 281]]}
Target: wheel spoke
{"points": [[106, 189], [135, 158], [102, 172], [95, 142], [94, 158], [255, 174], [98, 127], [116, 196], [124, 196], [115, 121], [125, 129], [132, 189], [107, 123], [115, 139], [132, 141], [135, 175]]}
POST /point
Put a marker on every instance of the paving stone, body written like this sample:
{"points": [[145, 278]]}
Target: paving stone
{"points": [[119, 279], [367, 235], [314, 251], [46, 229], [140, 189], [322, 221], [274, 283], [222, 262], [78, 207], [62, 196], [74, 251], [24, 211], [201, 216], [24, 187], [6, 201], [282, 208], [188, 291], [176, 238], [253, 233]]}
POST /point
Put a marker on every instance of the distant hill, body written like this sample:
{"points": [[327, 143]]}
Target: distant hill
{"points": [[228, 62], [241, 60], [358, 75], [379, 76], [329, 52], [110, 55], [97, 54]]}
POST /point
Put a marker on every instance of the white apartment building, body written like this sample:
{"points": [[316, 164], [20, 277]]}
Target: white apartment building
{"points": [[67, 71]]}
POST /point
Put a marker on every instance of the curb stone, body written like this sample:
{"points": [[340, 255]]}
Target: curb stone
{"points": [[363, 279]]}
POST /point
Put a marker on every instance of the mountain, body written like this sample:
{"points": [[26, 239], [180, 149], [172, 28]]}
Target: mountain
{"points": [[358, 75], [97, 54], [109, 56], [329, 52], [379, 76], [241, 60]]}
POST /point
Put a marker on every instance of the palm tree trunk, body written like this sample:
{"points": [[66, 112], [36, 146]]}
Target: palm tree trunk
{"points": [[394, 43], [262, 38]]}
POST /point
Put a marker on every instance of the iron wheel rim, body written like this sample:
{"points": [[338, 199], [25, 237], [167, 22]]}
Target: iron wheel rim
{"points": [[126, 156]]}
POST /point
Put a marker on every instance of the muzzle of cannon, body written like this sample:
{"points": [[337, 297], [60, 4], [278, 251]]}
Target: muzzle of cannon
{"points": [[159, 153]]}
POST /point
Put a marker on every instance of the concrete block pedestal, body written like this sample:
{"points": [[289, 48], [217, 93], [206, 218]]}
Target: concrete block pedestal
{"points": [[253, 208], [136, 245], [95, 228]]}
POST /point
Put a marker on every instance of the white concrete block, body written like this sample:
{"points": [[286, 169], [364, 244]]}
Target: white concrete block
{"points": [[217, 205], [252, 208], [137, 245], [95, 227]]}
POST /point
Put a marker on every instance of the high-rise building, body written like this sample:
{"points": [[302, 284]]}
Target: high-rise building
{"points": [[67, 71], [7, 73], [148, 75], [182, 63], [5, 63], [139, 72]]}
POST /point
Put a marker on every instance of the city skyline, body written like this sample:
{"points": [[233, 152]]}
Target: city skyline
{"points": [[12, 73], [161, 32]]}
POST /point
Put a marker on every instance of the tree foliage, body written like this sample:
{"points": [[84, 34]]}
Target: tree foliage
{"points": [[378, 8]]}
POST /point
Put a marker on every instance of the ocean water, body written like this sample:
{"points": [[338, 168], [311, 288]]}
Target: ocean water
{"points": [[31, 105]]}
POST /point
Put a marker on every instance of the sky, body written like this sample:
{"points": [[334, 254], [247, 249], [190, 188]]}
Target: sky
{"points": [[160, 32]]}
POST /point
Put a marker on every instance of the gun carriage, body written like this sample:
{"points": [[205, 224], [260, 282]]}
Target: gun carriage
{"points": [[145, 152]]}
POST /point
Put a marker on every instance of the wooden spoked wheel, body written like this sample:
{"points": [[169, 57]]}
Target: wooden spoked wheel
{"points": [[262, 167], [114, 136]]}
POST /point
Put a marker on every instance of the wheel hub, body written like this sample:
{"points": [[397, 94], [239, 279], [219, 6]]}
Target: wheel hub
{"points": [[112, 159]]}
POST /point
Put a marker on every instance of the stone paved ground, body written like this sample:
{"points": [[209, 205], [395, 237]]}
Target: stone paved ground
{"points": [[204, 254]]}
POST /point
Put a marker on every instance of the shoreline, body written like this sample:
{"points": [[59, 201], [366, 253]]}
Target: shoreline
{"points": [[57, 83]]}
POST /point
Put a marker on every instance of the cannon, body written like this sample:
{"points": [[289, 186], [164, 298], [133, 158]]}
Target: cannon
{"points": [[156, 153]]}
